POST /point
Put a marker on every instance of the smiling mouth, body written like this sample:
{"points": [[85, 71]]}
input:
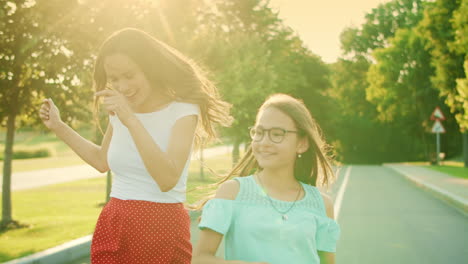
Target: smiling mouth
{"points": [[265, 154]]}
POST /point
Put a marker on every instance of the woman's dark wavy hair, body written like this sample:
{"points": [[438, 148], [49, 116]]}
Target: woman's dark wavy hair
{"points": [[167, 70]]}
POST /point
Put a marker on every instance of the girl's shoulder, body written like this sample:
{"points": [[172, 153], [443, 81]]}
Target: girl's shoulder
{"points": [[232, 189], [228, 190], [318, 199], [328, 204]]}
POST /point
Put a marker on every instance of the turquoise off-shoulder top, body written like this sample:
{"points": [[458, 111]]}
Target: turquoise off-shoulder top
{"points": [[255, 231]]}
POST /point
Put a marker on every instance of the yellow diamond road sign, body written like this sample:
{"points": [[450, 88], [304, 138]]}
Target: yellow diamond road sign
{"points": [[438, 127]]}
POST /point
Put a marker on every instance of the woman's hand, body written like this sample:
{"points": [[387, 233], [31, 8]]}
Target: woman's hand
{"points": [[116, 104], [49, 114]]}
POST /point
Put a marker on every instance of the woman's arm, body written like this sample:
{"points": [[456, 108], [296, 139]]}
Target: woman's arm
{"points": [[165, 168], [91, 153], [327, 257]]}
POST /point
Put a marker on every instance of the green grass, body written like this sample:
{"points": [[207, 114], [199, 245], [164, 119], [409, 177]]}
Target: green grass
{"points": [[55, 214], [62, 212], [62, 155], [453, 170], [198, 188], [28, 140]]}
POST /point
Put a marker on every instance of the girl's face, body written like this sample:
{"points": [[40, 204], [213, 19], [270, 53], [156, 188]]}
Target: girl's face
{"points": [[275, 142], [124, 76]]}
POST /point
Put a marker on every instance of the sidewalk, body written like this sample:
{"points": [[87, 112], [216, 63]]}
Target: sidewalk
{"points": [[448, 188], [38, 178]]}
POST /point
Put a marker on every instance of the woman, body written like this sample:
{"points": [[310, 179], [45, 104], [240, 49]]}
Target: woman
{"points": [[156, 99]]}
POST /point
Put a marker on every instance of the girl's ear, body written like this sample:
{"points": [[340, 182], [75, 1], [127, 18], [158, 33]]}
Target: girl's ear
{"points": [[303, 144]]}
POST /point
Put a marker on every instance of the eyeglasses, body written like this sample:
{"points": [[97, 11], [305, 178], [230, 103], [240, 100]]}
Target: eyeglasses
{"points": [[276, 134]]}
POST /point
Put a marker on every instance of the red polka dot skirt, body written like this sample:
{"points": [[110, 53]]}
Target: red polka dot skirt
{"points": [[130, 231]]}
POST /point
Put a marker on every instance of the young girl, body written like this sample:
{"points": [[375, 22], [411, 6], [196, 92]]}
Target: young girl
{"points": [[156, 98], [275, 215]]}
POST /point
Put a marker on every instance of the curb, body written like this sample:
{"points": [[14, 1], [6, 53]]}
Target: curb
{"points": [[455, 201], [69, 251]]}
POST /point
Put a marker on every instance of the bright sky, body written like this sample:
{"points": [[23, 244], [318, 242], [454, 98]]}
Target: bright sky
{"points": [[319, 23]]}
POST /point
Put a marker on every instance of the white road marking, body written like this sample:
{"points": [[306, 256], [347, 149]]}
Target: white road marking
{"points": [[339, 197]]}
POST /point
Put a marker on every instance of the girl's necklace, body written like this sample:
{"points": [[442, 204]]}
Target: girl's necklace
{"points": [[284, 215]]}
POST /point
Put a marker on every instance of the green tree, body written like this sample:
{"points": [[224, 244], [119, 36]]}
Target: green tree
{"points": [[380, 25], [35, 62], [365, 132], [246, 79], [460, 46], [253, 55], [356, 142], [47, 51], [443, 25], [401, 89]]}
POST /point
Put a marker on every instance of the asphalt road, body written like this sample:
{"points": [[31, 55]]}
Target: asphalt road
{"points": [[386, 219]]}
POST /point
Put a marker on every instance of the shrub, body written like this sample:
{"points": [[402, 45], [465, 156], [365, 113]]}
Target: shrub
{"points": [[29, 154]]}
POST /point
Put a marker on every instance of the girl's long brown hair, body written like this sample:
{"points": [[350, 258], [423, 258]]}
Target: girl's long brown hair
{"points": [[313, 168], [173, 74]]}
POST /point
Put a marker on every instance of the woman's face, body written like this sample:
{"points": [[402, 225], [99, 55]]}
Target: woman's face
{"points": [[124, 76], [272, 146]]}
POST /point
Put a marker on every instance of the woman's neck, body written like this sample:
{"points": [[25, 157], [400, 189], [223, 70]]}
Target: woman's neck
{"points": [[154, 104]]}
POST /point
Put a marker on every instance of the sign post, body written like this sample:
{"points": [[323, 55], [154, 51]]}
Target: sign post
{"points": [[437, 128]]}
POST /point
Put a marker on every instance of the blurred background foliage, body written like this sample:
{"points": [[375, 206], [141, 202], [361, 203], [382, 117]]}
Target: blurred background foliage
{"points": [[373, 104]]}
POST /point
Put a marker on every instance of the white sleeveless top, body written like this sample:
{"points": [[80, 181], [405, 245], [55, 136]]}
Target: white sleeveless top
{"points": [[131, 180]]}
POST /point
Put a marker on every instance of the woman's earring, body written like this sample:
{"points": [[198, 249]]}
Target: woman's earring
{"points": [[299, 155]]}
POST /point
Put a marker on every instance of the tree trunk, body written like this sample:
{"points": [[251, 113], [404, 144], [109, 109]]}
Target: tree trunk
{"points": [[108, 185], [98, 140], [465, 148], [235, 151], [202, 164], [8, 156]]}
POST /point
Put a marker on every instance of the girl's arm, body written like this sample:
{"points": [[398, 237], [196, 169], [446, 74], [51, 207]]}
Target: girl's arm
{"points": [[165, 168], [91, 153], [327, 257], [210, 240], [207, 246]]}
